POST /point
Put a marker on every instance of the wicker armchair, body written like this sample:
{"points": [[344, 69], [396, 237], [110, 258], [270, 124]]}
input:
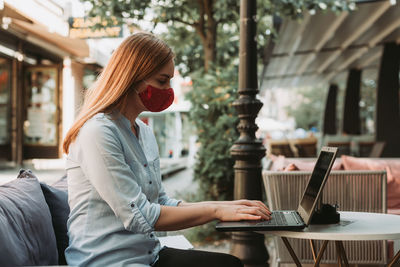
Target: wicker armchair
{"points": [[351, 190]]}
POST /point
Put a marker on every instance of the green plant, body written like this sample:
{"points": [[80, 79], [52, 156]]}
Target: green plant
{"points": [[215, 120], [307, 107], [367, 105]]}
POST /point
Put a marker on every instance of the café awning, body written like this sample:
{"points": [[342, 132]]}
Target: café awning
{"points": [[74, 47], [322, 47]]}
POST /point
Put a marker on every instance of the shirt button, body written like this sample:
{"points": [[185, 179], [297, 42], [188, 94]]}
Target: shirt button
{"points": [[132, 205], [145, 165], [150, 182], [151, 235]]}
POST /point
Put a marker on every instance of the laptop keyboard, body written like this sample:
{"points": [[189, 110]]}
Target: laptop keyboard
{"points": [[280, 218], [277, 218]]}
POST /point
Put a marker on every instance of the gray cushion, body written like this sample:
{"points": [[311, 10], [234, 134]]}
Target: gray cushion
{"points": [[26, 230]]}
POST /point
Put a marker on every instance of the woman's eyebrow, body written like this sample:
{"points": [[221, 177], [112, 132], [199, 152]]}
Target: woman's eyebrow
{"points": [[165, 75]]}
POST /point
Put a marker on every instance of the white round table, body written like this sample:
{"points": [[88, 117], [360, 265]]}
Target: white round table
{"points": [[352, 226]]}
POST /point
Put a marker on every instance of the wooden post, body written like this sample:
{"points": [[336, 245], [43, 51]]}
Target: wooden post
{"points": [[330, 111], [387, 101], [247, 151], [20, 108], [351, 112]]}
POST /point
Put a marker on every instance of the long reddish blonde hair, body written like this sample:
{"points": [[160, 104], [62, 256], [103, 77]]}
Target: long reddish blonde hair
{"points": [[136, 59]]}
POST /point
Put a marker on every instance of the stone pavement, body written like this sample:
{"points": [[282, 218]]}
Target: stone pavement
{"points": [[50, 170], [180, 182], [47, 171]]}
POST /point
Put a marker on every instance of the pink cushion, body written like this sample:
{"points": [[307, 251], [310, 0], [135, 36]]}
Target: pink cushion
{"points": [[392, 168], [309, 165], [291, 167], [352, 163], [280, 163], [394, 211]]}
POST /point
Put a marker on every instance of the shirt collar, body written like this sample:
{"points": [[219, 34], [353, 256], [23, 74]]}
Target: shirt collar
{"points": [[124, 120], [117, 115]]}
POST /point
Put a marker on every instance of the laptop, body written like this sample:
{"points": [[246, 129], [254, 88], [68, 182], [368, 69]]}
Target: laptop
{"points": [[291, 219]]}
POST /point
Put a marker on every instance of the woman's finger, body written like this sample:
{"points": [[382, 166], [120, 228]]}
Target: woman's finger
{"points": [[254, 211], [262, 206], [260, 203], [257, 203], [259, 208], [250, 217]]}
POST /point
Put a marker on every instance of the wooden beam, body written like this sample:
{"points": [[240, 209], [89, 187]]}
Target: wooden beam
{"points": [[370, 59], [295, 41], [373, 16], [352, 58], [324, 38], [391, 23]]}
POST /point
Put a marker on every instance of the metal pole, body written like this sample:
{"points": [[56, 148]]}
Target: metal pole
{"points": [[247, 151]]}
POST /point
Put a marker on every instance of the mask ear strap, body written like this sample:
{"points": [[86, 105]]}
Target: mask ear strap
{"points": [[134, 86]]}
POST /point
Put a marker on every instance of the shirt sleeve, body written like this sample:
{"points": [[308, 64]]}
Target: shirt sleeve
{"points": [[103, 162], [164, 200]]}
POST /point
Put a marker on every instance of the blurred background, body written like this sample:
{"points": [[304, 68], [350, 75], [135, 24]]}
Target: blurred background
{"points": [[326, 76]]}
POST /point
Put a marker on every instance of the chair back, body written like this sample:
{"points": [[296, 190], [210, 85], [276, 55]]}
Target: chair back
{"points": [[352, 190]]}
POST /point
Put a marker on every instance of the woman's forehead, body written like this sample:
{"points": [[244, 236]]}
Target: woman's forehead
{"points": [[167, 70]]}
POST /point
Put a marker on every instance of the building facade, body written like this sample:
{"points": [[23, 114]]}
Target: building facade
{"points": [[42, 74]]}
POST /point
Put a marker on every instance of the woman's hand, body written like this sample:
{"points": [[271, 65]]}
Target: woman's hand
{"points": [[187, 215], [250, 203], [236, 210], [242, 210]]}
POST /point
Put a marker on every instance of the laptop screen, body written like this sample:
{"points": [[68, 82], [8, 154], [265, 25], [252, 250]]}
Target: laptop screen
{"points": [[316, 183]]}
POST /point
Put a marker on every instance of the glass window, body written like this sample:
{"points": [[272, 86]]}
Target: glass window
{"points": [[40, 125], [5, 84]]}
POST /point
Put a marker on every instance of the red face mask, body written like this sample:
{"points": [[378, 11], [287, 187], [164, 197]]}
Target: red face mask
{"points": [[155, 99]]}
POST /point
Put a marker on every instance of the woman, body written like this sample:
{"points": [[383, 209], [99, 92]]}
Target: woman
{"points": [[114, 184]]}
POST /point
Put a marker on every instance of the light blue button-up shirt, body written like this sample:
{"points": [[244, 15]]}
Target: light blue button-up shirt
{"points": [[115, 193]]}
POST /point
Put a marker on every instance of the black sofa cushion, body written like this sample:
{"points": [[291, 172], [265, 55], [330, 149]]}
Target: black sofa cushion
{"points": [[57, 200], [25, 221]]}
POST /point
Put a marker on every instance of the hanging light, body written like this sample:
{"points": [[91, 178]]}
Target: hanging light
{"points": [[5, 22]]}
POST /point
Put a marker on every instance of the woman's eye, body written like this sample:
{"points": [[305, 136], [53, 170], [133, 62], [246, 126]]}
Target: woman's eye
{"points": [[162, 82]]}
